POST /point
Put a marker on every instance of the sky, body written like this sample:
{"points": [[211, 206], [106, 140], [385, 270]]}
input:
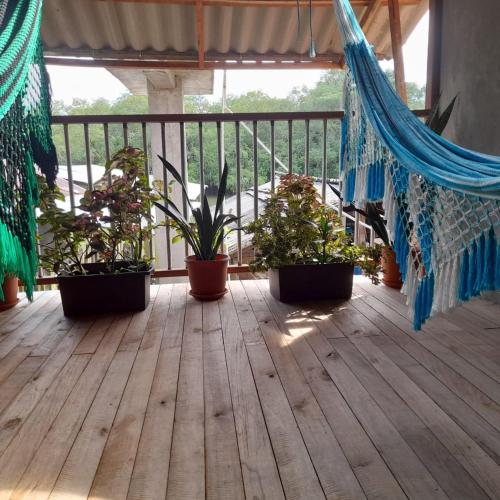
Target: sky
{"points": [[92, 83]]}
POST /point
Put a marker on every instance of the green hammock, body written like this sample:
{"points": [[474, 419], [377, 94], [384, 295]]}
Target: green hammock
{"points": [[25, 136]]}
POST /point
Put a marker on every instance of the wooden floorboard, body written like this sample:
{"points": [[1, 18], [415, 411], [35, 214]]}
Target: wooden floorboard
{"points": [[250, 398]]}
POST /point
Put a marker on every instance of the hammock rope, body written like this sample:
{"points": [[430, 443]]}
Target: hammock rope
{"points": [[25, 137], [441, 201]]}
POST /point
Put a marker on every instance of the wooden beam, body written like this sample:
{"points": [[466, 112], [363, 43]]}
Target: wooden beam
{"points": [[200, 32], [242, 64], [397, 48], [369, 14], [433, 88], [258, 3]]}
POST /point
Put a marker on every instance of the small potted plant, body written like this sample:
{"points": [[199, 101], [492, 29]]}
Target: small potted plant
{"points": [[8, 295], [207, 268], [303, 246], [98, 253]]}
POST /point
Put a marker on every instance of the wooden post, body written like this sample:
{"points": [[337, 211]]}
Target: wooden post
{"points": [[433, 87], [397, 48], [200, 30]]}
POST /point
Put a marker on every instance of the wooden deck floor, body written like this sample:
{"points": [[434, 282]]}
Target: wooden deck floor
{"points": [[250, 398]]}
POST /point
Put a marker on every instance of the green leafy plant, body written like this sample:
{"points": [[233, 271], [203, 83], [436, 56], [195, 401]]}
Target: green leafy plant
{"points": [[205, 233], [112, 224], [437, 121], [296, 228]]}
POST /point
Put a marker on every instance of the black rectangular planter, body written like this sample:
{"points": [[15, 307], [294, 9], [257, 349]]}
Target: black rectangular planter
{"points": [[311, 282], [103, 293]]}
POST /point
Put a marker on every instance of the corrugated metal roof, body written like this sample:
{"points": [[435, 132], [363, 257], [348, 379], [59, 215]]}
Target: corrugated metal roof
{"points": [[165, 30]]}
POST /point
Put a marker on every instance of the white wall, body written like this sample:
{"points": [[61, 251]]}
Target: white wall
{"points": [[470, 62]]}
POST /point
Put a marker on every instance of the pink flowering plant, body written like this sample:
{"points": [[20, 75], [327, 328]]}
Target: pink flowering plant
{"points": [[112, 225]]}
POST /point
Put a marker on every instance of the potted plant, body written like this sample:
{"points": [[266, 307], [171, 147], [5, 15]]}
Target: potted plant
{"points": [[98, 253], [10, 287], [303, 246], [207, 268]]}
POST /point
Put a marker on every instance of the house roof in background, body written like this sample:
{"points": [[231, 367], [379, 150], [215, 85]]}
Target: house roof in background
{"points": [[172, 33]]}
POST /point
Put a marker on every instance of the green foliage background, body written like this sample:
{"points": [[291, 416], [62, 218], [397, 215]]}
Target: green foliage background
{"points": [[326, 94]]}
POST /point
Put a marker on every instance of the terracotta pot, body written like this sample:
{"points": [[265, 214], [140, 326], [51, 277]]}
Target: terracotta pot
{"points": [[207, 277], [390, 269], [10, 288]]}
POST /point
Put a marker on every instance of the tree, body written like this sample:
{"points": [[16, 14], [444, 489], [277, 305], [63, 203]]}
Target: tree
{"points": [[326, 94]]}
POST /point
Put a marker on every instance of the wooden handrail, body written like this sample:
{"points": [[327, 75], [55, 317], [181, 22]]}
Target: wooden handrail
{"points": [[206, 117]]}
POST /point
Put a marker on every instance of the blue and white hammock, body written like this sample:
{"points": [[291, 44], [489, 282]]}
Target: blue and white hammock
{"points": [[441, 201]]}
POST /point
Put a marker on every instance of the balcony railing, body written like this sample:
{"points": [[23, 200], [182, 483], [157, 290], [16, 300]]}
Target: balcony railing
{"points": [[257, 146]]}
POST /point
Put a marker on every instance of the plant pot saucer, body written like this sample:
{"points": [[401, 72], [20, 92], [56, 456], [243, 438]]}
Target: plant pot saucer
{"points": [[4, 307], [208, 296]]}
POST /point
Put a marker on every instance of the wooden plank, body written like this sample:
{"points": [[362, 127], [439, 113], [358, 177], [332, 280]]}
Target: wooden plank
{"points": [[150, 474], [50, 341], [397, 48], [481, 467], [112, 478], [21, 449], [369, 467], [14, 318], [484, 308], [260, 472], [297, 473], [471, 345], [30, 323], [347, 320], [80, 466], [411, 474], [41, 474], [443, 466], [483, 382], [133, 336], [223, 469], [186, 479], [322, 320], [400, 330], [22, 405], [17, 380], [17, 309], [336, 476], [483, 433]]}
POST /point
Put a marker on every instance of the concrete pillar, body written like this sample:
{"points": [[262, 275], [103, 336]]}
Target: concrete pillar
{"points": [[470, 67], [166, 96], [166, 90]]}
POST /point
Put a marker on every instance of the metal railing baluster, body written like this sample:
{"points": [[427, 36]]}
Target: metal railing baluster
{"points": [[255, 173], [107, 155], [202, 161], [273, 157], [307, 145], [238, 188], [125, 134], [88, 160], [323, 170], [184, 177], [165, 194], [69, 167], [220, 162], [146, 173], [290, 146]]}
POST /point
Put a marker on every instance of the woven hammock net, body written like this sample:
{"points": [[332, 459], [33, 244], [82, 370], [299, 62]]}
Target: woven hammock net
{"points": [[441, 202], [25, 136]]}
